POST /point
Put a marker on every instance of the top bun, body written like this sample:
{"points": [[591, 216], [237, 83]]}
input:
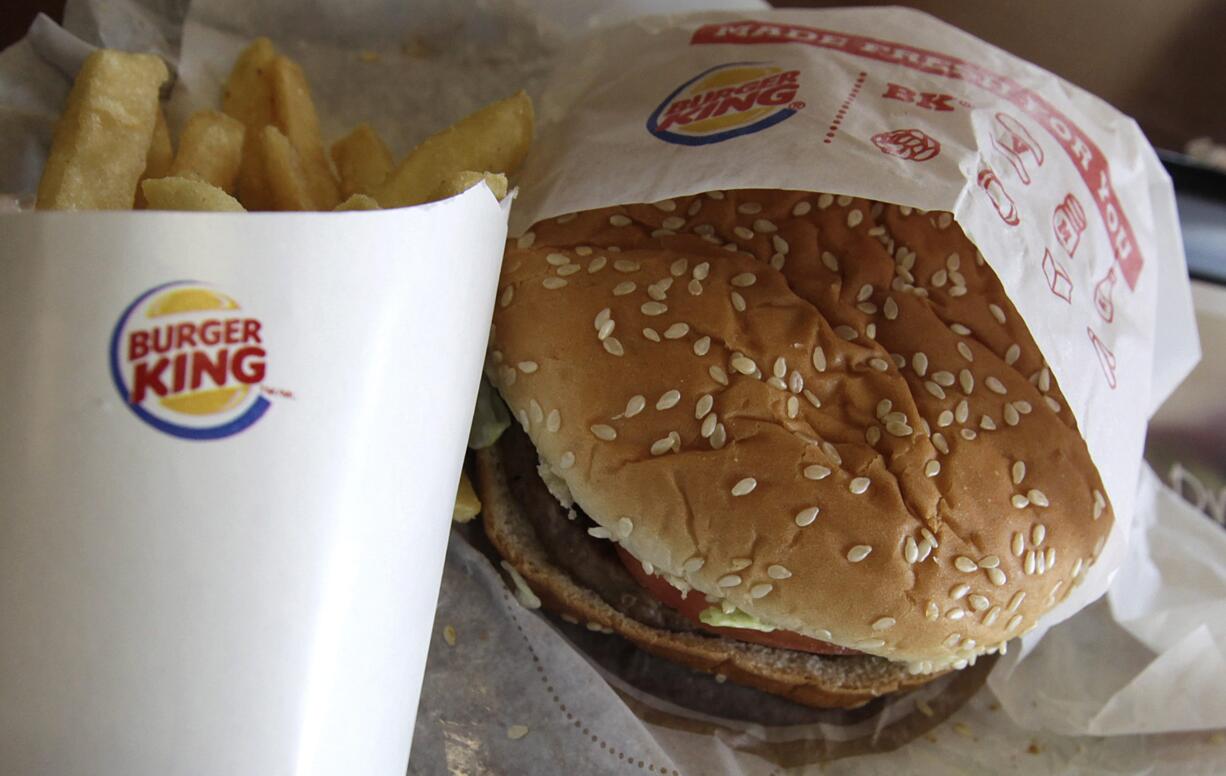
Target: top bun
{"points": [[824, 410]]}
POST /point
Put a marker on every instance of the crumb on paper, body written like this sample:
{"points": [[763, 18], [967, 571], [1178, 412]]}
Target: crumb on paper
{"points": [[721, 678], [963, 730], [994, 706], [523, 593], [924, 708], [1218, 738], [449, 635], [1034, 747], [931, 737], [368, 56], [516, 732]]}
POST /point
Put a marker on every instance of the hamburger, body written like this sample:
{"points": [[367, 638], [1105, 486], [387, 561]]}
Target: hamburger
{"points": [[798, 440]]}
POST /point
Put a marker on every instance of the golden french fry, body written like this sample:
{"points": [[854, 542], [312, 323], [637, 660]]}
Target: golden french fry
{"points": [[362, 160], [494, 138], [248, 98], [187, 194], [294, 114], [288, 187], [358, 202], [210, 149], [459, 182], [103, 138], [467, 505], [159, 156]]}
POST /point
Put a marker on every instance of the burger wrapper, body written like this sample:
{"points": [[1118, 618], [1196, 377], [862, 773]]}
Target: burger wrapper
{"points": [[506, 690], [236, 580]]}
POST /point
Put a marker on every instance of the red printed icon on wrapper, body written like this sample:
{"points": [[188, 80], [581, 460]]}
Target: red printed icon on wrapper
{"points": [[1058, 279], [1017, 145], [910, 144], [1106, 359], [1068, 222], [1000, 198], [1103, 292]]}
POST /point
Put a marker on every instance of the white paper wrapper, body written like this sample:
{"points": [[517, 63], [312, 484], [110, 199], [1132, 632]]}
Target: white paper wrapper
{"points": [[1063, 196]]}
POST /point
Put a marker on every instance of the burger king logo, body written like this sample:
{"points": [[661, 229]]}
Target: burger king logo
{"points": [[189, 361], [726, 101]]}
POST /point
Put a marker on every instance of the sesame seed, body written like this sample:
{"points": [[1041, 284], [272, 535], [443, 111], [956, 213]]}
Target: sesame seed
{"points": [[1022, 407], [662, 233], [507, 295], [859, 553], [599, 532], [854, 218], [816, 472], [832, 453], [718, 437], [613, 346], [677, 331], [761, 591], [968, 434], [962, 411], [1029, 565], [1051, 557], [764, 226], [729, 580], [673, 222], [997, 577], [780, 244], [693, 564], [744, 486], [919, 362], [744, 279], [738, 302], [694, 287], [553, 283], [668, 399], [938, 441], [987, 424], [619, 220], [527, 367], [846, 332], [1013, 354], [959, 591], [934, 389], [830, 261], [1019, 501], [989, 562], [535, 411], [946, 418], [653, 308], [623, 288], [558, 259], [932, 468], [965, 564], [806, 516], [659, 290], [678, 267], [944, 220], [1014, 621], [604, 432], [894, 428], [801, 208], [597, 264], [744, 365], [870, 331], [567, 460], [870, 643], [718, 374], [910, 550], [932, 611], [967, 381], [995, 386], [940, 278], [708, 425], [1100, 504], [775, 571], [859, 485], [626, 265], [749, 208], [811, 398], [943, 378], [1010, 415], [872, 435], [1038, 497], [965, 351], [554, 421], [956, 613], [1018, 545], [703, 406], [702, 345], [667, 205], [742, 232], [1052, 404], [662, 445], [979, 602], [1045, 380], [793, 406]]}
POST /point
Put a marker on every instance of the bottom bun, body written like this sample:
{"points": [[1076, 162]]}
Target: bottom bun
{"points": [[819, 681]]}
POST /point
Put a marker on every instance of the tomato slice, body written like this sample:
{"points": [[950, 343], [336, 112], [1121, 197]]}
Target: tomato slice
{"points": [[692, 605]]}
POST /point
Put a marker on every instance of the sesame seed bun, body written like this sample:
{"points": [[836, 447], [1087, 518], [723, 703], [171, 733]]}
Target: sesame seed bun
{"points": [[824, 410]]}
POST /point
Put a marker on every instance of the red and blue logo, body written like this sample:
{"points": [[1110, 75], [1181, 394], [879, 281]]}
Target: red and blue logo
{"points": [[188, 360], [727, 101]]}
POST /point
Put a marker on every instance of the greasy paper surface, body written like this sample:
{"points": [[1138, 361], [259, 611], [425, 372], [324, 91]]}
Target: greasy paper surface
{"points": [[258, 603], [1063, 196]]}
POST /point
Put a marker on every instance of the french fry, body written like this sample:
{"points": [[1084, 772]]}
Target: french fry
{"points": [[283, 173], [362, 160], [294, 114], [102, 140], [248, 98], [358, 202], [210, 149], [187, 194], [459, 182], [494, 138], [159, 156], [467, 505]]}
